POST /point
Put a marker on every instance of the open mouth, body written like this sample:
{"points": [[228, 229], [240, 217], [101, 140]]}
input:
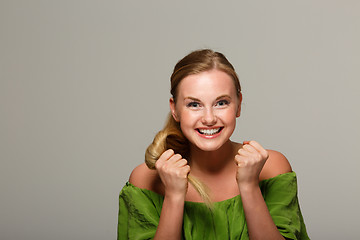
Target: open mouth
{"points": [[209, 132]]}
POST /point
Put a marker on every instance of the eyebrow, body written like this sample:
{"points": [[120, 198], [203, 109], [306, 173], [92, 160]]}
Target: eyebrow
{"points": [[198, 100]]}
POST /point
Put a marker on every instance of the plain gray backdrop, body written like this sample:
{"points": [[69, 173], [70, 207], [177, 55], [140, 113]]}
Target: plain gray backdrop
{"points": [[84, 87]]}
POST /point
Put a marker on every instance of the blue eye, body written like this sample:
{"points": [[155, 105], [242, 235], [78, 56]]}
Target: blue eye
{"points": [[222, 103], [193, 105]]}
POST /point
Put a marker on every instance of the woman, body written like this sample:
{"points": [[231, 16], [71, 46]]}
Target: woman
{"points": [[237, 190]]}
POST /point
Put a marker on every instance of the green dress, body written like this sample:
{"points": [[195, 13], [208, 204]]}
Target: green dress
{"points": [[139, 213]]}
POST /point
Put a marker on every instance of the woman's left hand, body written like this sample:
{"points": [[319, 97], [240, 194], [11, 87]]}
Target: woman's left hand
{"points": [[250, 160]]}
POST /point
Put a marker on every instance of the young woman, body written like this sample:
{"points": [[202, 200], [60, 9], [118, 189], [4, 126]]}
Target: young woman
{"points": [[236, 190]]}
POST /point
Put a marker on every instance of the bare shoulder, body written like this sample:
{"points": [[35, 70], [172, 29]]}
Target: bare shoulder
{"points": [[275, 165], [145, 178]]}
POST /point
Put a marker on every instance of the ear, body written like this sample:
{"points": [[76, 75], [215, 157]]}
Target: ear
{"points": [[239, 106], [173, 109]]}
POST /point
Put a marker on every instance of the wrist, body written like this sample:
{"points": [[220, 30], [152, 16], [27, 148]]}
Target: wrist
{"points": [[174, 197], [248, 187]]}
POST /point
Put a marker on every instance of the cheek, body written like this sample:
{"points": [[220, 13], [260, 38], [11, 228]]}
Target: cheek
{"points": [[229, 115], [187, 118]]}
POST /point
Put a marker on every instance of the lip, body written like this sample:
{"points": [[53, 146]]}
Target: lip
{"points": [[209, 136]]}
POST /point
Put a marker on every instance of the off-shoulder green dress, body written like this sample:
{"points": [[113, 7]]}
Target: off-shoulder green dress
{"points": [[139, 213]]}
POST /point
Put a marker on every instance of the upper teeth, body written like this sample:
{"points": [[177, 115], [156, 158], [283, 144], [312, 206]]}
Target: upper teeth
{"points": [[209, 131]]}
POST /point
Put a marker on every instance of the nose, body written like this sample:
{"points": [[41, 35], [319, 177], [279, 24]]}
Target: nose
{"points": [[209, 117]]}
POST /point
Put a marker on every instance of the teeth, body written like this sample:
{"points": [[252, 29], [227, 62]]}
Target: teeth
{"points": [[209, 131]]}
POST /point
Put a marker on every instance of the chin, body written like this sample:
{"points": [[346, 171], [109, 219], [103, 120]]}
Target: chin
{"points": [[208, 147]]}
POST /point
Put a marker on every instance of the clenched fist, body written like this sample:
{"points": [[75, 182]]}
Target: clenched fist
{"points": [[250, 160], [173, 171]]}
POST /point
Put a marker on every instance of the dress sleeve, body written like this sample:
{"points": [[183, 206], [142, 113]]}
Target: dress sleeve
{"points": [[280, 194], [139, 213]]}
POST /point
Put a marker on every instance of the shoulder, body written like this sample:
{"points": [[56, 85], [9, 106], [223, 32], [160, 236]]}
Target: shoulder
{"points": [[145, 178], [275, 165]]}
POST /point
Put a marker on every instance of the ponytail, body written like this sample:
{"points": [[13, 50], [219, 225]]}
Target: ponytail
{"points": [[171, 137]]}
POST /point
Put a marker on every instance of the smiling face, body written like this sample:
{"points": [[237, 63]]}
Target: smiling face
{"points": [[207, 106]]}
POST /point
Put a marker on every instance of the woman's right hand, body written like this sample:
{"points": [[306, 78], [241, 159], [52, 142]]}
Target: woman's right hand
{"points": [[173, 171]]}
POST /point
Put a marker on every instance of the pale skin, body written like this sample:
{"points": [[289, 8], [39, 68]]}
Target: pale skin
{"points": [[209, 101]]}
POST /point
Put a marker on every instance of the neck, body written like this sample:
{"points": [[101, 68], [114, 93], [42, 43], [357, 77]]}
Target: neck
{"points": [[213, 162]]}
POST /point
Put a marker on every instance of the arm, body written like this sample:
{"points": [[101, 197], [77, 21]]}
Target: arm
{"points": [[259, 222], [171, 218], [251, 159], [172, 170]]}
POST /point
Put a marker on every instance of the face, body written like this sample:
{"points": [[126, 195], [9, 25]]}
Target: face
{"points": [[207, 107]]}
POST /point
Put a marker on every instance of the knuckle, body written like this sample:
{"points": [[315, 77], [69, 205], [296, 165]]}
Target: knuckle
{"points": [[164, 155], [243, 163], [185, 172], [158, 164], [175, 172], [179, 173], [167, 154], [165, 167]]}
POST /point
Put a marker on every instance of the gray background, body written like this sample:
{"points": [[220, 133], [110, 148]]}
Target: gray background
{"points": [[85, 86]]}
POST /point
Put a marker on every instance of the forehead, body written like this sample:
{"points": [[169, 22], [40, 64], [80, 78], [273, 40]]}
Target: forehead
{"points": [[206, 84]]}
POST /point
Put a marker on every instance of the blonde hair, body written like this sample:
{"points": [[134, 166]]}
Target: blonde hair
{"points": [[171, 136]]}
